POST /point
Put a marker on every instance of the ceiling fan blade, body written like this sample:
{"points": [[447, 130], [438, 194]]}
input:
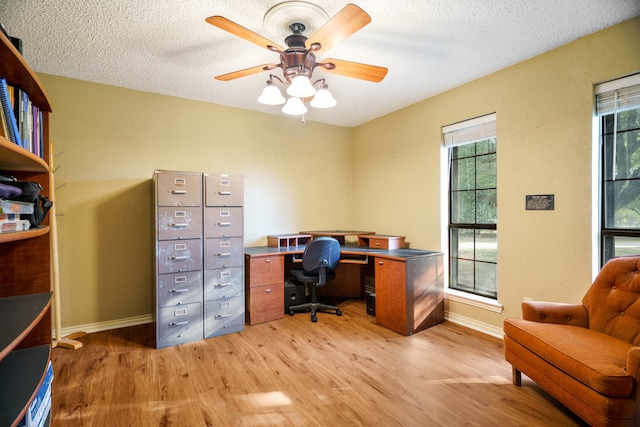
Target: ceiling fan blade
{"points": [[372, 73], [246, 72], [240, 31], [346, 22]]}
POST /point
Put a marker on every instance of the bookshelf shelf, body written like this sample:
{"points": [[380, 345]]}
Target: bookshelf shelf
{"points": [[22, 373], [25, 257]]}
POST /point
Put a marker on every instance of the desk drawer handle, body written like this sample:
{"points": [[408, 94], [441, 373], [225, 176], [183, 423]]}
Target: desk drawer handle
{"points": [[267, 291], [178, 291], [179, 323], [178, 191], [380, 263], [268, 261], [222, 285], [178, 258]]}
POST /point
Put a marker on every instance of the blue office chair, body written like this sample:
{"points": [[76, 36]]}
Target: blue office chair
{"points": [[319, 261]]}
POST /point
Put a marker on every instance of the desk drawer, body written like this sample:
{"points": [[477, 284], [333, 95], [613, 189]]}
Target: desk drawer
{"points": [[265, 270], [266, 303], [179, 223], [223, 222]]}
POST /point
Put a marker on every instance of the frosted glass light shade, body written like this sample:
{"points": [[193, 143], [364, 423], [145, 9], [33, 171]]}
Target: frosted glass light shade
{"points": [[323, 99], [294, 107], [271, 96], [301, 87]]}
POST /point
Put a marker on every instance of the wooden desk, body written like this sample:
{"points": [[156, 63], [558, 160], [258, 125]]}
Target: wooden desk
{"points": [[409, 283]]}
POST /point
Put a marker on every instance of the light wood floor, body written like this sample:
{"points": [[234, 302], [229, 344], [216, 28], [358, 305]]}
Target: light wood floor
{"points": [[341, 371]]}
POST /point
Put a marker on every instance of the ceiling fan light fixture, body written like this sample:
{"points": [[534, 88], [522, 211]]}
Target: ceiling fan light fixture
{"points": [[301, 87], [294, 107], [271, 95], [323, 98]]}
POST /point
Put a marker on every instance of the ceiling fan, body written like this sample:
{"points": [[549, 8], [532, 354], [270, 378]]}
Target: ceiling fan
{"points": [[298, 59]]}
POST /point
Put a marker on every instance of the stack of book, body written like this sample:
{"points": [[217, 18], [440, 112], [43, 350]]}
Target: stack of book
{"points": [[10, 215], [20, 121], [38, 412]]}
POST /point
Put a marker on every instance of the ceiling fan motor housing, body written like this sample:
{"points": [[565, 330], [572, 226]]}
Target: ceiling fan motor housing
{"points": [[297, 59]]}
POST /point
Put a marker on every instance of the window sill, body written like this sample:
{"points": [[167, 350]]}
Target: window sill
{"points": [[474, 300]]}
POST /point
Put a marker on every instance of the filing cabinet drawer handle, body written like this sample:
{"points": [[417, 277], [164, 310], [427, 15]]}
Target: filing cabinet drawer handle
{"points": [[224, 254], [224, 193], [179, 225], [224, 224], [178, 291], [222, 285], [178, 191], [178, 258], [222, 316], [179, 323]]}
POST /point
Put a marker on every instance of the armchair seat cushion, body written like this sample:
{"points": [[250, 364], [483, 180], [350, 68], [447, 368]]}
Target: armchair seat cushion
{"points": [[596, 359]]}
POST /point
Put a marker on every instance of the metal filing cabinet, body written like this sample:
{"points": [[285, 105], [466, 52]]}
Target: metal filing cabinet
{"points": [[223, 254], [178, 240]]}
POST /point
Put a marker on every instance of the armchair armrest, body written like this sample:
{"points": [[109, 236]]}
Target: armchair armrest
{"points": [[555, 312], [633, 363]]}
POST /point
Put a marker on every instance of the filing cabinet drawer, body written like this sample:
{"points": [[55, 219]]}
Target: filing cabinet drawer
{"points": [[223, 283], [179, 189], [266, 303], [265, 270], [224, 315], [179, 324], [175, 256], [224, 252], [179, 223], [179, 288], [224, 190], [223, 222]]}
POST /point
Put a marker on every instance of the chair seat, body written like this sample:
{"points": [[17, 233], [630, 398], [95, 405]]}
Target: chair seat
{"points": [[306, 277]]}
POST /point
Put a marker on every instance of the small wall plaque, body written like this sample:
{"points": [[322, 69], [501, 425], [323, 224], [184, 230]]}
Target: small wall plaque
{"points": [[540, 202]]}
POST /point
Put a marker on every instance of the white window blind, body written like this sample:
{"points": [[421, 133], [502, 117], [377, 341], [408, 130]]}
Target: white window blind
{"points": [[618, 95], [470, 130]]}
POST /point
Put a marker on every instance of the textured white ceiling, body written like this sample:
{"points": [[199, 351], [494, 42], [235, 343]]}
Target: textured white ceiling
{"points": [[166, 46]]}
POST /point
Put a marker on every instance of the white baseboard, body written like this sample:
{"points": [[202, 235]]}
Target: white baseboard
{"points": [[105, 326], [475, 325], [148, 318]]}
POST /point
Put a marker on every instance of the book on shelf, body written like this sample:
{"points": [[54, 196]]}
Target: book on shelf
{"points": [[9, 115]]}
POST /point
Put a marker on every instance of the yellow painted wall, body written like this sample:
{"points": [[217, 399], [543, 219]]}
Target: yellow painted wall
{"points": [[109, 141], [544, 110], [383, 175]]}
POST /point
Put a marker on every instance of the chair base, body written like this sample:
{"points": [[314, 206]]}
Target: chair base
{"points": [[313, 307]]}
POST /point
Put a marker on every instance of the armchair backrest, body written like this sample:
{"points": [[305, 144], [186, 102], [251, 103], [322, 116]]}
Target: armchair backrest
{"points": [[613, 300], [321, 252]]}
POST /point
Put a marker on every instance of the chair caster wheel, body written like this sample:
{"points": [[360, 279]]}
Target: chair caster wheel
{"points": [[314, 318], [338, 312], [290, 312]]}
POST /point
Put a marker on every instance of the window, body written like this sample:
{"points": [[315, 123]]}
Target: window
{"points": [[618, 109], [473, 244]]}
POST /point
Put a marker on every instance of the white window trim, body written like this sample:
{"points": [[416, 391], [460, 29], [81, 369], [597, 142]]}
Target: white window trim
{"points": [[477, 301]]}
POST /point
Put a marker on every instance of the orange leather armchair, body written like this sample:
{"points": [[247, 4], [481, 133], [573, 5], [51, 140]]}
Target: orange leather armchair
{"points": [[585, 355]]}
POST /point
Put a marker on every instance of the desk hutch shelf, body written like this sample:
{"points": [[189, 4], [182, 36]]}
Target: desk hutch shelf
{"points": [[25, 261]]}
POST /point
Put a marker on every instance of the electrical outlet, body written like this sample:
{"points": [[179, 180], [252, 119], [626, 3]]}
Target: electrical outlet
{"points": [[527, 299]]}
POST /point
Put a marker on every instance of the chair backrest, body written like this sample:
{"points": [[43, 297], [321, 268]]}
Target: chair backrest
{"points": [[321, 252], [613, 301]]}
